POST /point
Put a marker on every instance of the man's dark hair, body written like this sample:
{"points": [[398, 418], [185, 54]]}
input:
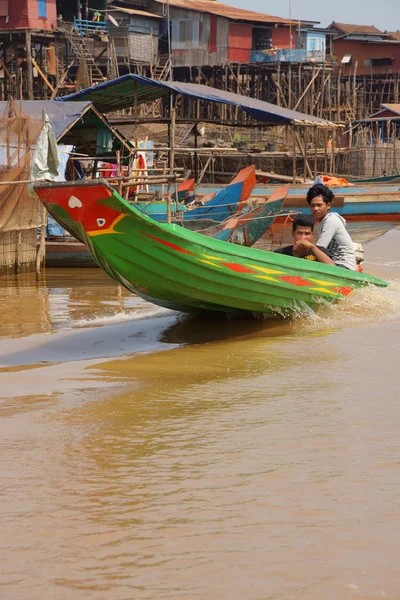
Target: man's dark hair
{"points": [[320, 190], [303, 221]]}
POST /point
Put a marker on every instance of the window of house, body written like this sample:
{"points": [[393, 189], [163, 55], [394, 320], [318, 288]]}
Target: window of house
{"points": [[185, 34], [378, 62], [346, 60], [42, 9], [262, 38]]}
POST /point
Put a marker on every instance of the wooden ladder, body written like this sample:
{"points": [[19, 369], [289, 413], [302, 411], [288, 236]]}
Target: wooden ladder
{"points": [[82, 53], [161, 71]]}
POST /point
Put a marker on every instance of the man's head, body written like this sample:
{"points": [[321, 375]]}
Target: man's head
{"points": [[302, 228], [320, 198]]}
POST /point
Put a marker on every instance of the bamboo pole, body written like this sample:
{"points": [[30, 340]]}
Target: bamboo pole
{"points": [[338, 112], [315, 151], [355, 91], [29, 73], [196, 155], [294, 157], [333, 152], [204, 169], [41, 252], [325, 151], [171, 154], [278, 85], [298, 141], [62, 80], [306, 90], [43, 76]]}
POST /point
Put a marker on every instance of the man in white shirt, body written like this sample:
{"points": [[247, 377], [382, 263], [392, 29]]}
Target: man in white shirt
{"points": [[333, 234]]}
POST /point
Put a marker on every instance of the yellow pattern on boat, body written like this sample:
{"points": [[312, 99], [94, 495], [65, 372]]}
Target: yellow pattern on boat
{"points": [[321, 289], [208, 262], [212, 257], [268, 278], [109, 229], [265, 270], [321, 282]]}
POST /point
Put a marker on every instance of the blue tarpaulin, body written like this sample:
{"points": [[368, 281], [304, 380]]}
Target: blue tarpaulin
{"points": [[61, 115], [75, 123], [121, 93]]}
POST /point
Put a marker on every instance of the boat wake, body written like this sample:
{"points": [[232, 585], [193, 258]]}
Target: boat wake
{"points": [[370, 305], [111, 336], [121, 316]]}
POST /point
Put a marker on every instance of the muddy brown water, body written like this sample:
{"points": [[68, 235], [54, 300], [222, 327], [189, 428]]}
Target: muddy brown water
{"points": [[148, 455]]}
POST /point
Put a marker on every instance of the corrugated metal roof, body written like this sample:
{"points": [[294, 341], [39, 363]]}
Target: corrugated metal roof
{"points": [[120, 93], [393, 107], [394, 34], [347, 28], [223, 10], [132, 11]]}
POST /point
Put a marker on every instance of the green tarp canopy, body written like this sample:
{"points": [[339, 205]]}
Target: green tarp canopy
{"points": [[125, 91]]}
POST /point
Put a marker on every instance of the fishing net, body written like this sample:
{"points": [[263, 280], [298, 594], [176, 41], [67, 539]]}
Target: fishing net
{"points": [[19, 213]]}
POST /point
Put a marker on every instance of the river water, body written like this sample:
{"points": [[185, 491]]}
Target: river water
{"points": [[148, 455]]}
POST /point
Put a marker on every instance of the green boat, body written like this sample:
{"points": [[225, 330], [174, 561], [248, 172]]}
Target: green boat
{"points": [[185, 270]]}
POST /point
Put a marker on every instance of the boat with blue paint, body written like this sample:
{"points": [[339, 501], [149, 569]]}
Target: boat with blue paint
{"points": [[356, 202], [226, 202]]}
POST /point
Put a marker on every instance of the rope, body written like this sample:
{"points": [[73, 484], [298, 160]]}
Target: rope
{"points": [[289, 219], [220, 224]]}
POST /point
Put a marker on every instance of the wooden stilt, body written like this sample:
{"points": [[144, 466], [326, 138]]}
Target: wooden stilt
{"points": [[29, 70], [196, 155], [294, 166], [171, 154]]}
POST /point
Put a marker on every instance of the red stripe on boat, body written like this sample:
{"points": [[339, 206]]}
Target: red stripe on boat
{"points": [[238, 268], [345, 291], [296, 280], [173, 246]]}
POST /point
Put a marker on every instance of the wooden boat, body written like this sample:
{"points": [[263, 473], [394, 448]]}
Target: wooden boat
{"points": [[383, 179], [359, 202], [185, 270], [67, 253], [250, 224], [185, 190], [157, 209], [245, 230], [223, 205]]}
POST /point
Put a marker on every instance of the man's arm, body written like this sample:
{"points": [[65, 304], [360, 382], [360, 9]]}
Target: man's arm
{"points": [[328, 230], [321, 256], [301, 247]]}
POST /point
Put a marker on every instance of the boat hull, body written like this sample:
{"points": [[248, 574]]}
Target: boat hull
{"points": [[187, 271], [222, 206], [368, 201], [67, 254]]}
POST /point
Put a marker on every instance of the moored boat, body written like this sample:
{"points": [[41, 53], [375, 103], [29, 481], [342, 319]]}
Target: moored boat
{"points": [[358, 202], [67, 253], [223, 205], [250, 225], [185, 270]]}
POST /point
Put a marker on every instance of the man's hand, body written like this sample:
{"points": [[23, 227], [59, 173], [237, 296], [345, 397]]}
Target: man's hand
{"points": [[301, 247]]}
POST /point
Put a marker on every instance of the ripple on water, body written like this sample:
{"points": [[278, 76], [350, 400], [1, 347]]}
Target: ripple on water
{"points": [[367, 305]]}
